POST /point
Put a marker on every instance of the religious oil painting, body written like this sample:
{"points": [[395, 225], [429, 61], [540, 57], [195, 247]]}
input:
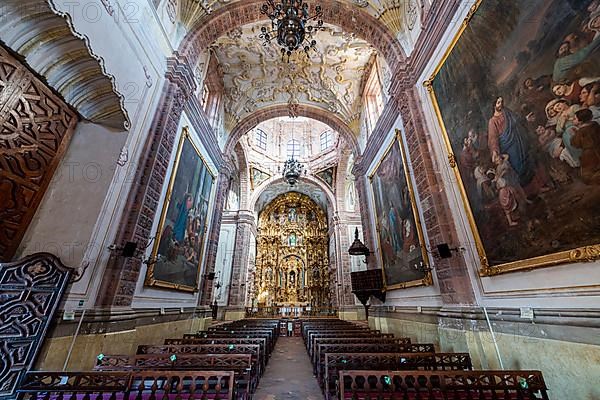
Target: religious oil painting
{"points": [[518, 97], [177, 253], [257, 177], [400, 236], [328, 176]]}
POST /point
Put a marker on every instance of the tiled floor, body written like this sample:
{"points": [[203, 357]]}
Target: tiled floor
{"points": [[289, 374]]}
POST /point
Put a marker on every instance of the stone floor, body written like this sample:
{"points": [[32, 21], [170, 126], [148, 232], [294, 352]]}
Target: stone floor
{"points": [[289, 374]]}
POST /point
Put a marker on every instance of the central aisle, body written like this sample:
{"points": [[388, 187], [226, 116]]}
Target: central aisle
{"points": [[289, 374]]}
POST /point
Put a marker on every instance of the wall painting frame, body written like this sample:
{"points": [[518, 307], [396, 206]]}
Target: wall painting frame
{"points": [[405, 261]]}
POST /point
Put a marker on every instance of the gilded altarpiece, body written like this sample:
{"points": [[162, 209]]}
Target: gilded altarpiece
{"points": [[292, 258]]}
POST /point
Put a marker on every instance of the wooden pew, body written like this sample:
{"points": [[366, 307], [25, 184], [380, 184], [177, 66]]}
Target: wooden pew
{"points": [[311, 334], [262, 342], [335, 362], [145, 385], [348, 334], [252, 349], [245, 372], [480, 385], [327, 325], [272, 333], [236, 334], [323, 349], [350, 340]]}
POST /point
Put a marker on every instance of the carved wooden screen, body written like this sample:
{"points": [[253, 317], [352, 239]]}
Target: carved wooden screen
{"points": [[35, 129], [30, 291]]}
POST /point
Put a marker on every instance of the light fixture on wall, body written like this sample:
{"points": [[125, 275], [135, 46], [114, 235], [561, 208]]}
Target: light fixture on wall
{"points": [[289, 25]]}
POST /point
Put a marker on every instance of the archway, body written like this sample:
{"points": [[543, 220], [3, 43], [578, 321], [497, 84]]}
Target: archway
{"points": [[345, 15], [283, 110]]}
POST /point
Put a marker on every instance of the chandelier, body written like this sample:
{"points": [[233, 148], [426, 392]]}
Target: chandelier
{"points": [[289, 20], [292, 170]]}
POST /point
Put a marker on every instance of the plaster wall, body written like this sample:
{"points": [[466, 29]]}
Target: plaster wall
{"points": [[86, 348], [76, 193], [570, 369]]}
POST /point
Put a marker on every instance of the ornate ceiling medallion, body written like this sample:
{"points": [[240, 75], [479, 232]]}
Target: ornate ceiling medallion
{"points": [[289, 20]]}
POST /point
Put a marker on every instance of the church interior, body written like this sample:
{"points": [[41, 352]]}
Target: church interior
{"points": [[287, 199]]}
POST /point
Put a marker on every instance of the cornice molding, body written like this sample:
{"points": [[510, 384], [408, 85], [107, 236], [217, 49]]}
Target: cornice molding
{"points": [[181, 74], [206, 135]]}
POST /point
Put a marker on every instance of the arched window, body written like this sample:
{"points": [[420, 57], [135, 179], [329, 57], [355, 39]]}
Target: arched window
{"points": [[326, 140], [260, 139], [374, 101], [293, 149]]}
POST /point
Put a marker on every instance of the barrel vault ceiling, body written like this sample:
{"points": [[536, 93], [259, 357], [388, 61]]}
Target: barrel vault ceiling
{"points": [[257, 77], [396, 15]]}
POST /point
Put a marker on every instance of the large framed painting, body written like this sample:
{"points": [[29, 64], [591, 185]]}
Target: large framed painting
{"points": [[178, 249], [399, 232], [518, 97]]}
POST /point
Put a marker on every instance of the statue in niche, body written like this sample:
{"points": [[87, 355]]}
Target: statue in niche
{"points": [[292, 215], [292, 240]]}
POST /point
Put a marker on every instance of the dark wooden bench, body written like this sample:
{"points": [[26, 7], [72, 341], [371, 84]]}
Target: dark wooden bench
{"points": [[459, 385], [323, 349], [335, 362], [235, 334], [362, 334], [142, 385], [245, 372], [271, 333], [252, 349], [343, 333], [262, 342], [352, 340]]}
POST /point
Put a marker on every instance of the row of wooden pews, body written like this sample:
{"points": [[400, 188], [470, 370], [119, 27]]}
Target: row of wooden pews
{"points": [[224, 362], [353, 362]]}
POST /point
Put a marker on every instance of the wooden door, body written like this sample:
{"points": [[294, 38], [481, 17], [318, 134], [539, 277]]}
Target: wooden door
{"points": [[36, 127]]}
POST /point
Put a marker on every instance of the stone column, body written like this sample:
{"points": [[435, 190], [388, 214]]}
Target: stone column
{"points": [[246, 225], [121, 274]]}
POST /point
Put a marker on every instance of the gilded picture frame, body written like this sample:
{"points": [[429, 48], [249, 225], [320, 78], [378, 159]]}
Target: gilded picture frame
{"points": [[586, 253], [152, 275], [427, 278]]}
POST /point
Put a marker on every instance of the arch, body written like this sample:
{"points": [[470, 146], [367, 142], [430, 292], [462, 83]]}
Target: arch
{"points": [[332, 205], [265, 114], [347, 16], [64, 58]]}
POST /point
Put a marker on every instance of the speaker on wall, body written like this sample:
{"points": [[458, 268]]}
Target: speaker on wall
{"points": [[444, 250], [129, 249]]}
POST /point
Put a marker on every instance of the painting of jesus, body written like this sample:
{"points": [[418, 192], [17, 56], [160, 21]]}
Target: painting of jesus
{"points": [[518, 99]]}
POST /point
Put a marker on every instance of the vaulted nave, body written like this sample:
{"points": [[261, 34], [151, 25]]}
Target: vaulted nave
{"points": [[286, 199]]}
